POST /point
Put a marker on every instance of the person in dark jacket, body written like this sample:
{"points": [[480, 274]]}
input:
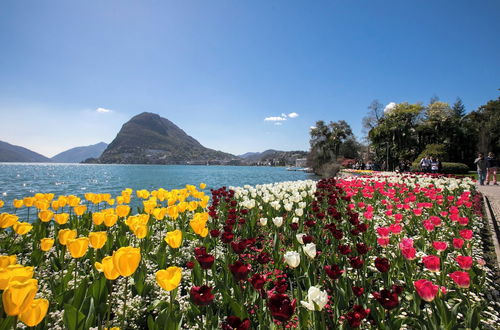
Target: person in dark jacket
{"points": [[491, 168], [481, 164]]}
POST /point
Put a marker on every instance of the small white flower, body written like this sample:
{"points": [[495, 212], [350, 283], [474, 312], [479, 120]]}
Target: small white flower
{"points": [[292, 259], [310, 250], [278, 221]]}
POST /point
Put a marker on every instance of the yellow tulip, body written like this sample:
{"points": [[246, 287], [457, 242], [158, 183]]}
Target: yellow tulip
{"points": [[110, 220], [18, 203], [90, 196], [28, 201], [140, 231], [1, 203], [42, 204], [54, 205], [7, 220], [78, 247], [126, 199], [7, 260], [49, 197], [203, 185], [204, 201], [14, 273], [73, 200], [159, 213], [120, 200], [19, 296], [22, 228], [62, 201], [45, 215], [126, 260], [35, 312], [173, 212], [97, 218], [61, 218], [46, 244], [198, 224], [39, 196], [98, 239], [111, 202], [66, 234], [174, 238], [80, 209], [169, 279], [106, 266], [122, 210], [192, 205]]}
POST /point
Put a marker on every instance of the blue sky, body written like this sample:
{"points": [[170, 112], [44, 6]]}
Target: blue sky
{"points": [[218, 68]]}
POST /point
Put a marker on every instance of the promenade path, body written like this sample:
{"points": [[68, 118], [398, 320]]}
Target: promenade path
{"points": [[491, 195]]}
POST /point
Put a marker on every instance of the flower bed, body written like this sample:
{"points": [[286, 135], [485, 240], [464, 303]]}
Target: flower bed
{"points": [[384, 251]]}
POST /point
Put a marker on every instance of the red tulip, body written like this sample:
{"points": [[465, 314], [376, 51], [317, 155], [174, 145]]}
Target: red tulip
{"points": [[466, 234], [458, 243], [440, 246], [426, 289], [462, 279], [432, 263], [281, 307], [240, 270], [464, 262], [235, 323], [257, 281], [334, 272], [201, 295], [382, 264], [358, 314], [409, 253]]}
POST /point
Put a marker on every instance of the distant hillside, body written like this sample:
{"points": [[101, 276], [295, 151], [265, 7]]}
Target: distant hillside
{"points": [[274, 157], [12, 153], [150, 139], [79, 154]]}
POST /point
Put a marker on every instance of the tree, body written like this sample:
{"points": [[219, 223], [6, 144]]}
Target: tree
{"points": [[458, 108], [373, 117], [395, 137], [327, 141]]}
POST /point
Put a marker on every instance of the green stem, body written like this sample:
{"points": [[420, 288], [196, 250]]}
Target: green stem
{"points": [[109, 304], [74, 279], [124, 313]]}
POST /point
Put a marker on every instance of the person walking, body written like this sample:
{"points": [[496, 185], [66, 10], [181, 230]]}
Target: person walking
{"points": [[491, 168], [481, 164]]}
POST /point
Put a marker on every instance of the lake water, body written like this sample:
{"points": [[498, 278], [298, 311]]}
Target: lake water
{"points": [[21, 179]]}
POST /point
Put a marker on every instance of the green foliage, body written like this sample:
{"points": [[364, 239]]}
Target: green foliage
{"points": [[433, 150], [328, 142], [447, 168]]}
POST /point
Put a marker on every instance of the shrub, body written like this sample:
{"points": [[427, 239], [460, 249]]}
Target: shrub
{"points": [[434, 150], [447, 168], [328, 170]]}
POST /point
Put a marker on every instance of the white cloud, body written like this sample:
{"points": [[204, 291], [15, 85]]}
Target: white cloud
{"points": [[103, 110], [389, 107], [293, 115], [278, 123], [275, 118], [312, 127]]}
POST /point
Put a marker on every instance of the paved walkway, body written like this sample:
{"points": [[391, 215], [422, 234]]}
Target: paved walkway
{"points": [[492, 203]]}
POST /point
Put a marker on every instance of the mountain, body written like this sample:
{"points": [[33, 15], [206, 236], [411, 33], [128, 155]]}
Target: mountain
{"points": [[150, 139], [79, 154], [12, 153]]}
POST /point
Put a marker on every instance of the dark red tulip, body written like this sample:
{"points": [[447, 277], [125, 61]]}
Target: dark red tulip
{"points": [[258, 281], [235, 323], [240, 270], [201, 295], [382, 264], [281, 307]]}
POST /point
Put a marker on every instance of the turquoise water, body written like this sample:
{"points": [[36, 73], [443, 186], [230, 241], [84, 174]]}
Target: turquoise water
{"points": [[20, 179]]}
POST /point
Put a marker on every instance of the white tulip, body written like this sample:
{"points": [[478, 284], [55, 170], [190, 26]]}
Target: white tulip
{"points": [[292, 259], [299, 212], [310, 250], [295, 220], [299, 238], [315, 296], [278, 221], [263, 221]]}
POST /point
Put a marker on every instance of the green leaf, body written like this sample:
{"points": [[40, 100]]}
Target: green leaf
{"points": [[151, 323], [73, 319], [98, 290], [80, 293], [139, 281]]}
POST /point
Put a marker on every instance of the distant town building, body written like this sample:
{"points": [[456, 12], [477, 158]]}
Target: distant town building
{"points": [[301, 162]]}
